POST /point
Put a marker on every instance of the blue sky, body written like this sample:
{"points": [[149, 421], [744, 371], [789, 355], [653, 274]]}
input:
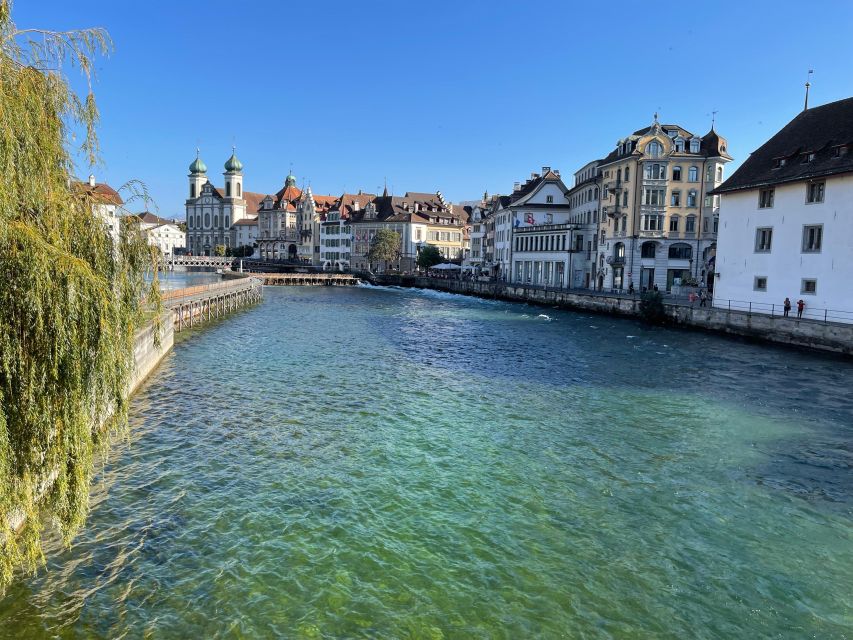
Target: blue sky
{"points": [[458, 96]]}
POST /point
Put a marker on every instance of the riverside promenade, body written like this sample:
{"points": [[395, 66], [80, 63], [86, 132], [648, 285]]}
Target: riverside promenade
{"points": [[821, 332]]}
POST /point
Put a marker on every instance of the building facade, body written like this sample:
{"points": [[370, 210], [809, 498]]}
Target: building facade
{"points": [[659, 221], [164, 234], [786, 222]]}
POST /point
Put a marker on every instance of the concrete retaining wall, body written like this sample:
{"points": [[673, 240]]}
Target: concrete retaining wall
{"points": [[811, 334], [147, 354]]}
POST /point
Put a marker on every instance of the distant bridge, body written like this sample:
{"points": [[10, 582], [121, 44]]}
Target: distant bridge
{"points": [[219, 262], [308, 279]]}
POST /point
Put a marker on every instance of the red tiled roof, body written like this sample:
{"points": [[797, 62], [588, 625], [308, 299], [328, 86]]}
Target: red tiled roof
{"points": [[101, 193]]}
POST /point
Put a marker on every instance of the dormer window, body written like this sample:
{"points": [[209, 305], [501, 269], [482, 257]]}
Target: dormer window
{"points": [[807, 157], [654, 149], [694, 145], [840, 150], [679, 144], [779, 163]]}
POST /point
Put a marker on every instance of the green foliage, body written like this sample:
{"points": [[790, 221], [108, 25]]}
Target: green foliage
{"points": [[70, 299], [219, 250], [384, 247], [651, 307], [429, 256]]}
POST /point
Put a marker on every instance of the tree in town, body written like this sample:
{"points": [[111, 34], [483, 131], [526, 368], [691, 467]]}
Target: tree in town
{"points": [[220, 250], [429, 256], [71, 298], [384, 247], [652, 309]]}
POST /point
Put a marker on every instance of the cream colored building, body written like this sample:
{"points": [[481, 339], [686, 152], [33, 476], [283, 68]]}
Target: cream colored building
{"points": [[659, 224]]}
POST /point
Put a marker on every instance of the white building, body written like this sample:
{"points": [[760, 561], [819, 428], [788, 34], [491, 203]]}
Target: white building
{"points": [[244, 234], [583, 200], [335, 241], [106, 204], [542, 234], [164, 234], [212, 211], [786, 221]]}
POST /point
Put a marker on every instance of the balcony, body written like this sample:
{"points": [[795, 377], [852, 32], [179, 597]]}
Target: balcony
{"points": [[616, 261], [659, 233]]}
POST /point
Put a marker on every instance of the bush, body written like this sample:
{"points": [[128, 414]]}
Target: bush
{"points": [[651, 307]]}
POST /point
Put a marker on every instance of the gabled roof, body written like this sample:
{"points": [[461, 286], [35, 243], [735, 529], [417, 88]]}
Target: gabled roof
{"points": [[149, 218], [532, 186], [820, 130], [100, 193]]}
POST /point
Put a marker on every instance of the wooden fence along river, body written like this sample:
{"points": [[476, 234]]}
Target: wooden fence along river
{"points": [[194, 305]]}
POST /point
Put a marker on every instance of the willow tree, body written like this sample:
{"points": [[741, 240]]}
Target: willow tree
{"points": [[70, 296]]}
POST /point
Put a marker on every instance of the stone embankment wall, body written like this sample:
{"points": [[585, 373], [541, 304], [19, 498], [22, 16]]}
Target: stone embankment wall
{"points": [[825, 336], [148, 351]]}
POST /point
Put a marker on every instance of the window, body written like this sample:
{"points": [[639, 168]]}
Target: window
{"points": [[654, 197], [673, 223], [227, 189], [706, 225], [812, 238], [719, 174], [679, 145], [675, 199], [716, 223], [808, 286], [691, 224], [765, 198], [693, 174], [192, 191], [676, 173], [549, 199], [763, 239], [655, 172], [627, 174], [815, 192], [694, 146], [760, 283], [691, 199], [807, 157], [239, 191], [625, 198], [654, 149], [680, 252], [647, 250]]}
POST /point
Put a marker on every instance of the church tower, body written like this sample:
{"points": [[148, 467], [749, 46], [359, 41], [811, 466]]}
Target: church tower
{"points": [[198, 176], [235, 206]]}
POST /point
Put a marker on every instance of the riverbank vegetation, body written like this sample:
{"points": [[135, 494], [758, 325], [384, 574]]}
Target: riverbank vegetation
{"points": [[70, 295]]}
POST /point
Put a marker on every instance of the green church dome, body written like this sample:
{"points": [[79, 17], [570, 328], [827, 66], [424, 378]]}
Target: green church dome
{"points": [[290, 181], [198, 166], [233, 163]]}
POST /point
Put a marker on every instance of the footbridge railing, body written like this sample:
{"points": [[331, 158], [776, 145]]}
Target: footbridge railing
{"points": [[192, 306]]}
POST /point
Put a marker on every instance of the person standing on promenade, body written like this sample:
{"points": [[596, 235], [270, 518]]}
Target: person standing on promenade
{"points": [[787, 306], [703, 298], [800, 306]]}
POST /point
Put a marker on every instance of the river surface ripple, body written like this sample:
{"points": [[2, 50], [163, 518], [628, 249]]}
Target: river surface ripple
{"points": [[376, 463]]}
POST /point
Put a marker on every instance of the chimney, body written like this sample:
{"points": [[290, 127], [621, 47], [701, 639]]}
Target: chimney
{"points": [[516, 186], [557, 172], [534, 175], [91, 180], [545, 170]]}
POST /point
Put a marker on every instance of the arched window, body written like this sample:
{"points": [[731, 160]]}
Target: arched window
{"points": [[192, 191], [589, 195], [206, 219], [228, 189], [691, 224], [673, 223], [647, 250], [654, 149], [239, 191], [627, 174], [693, 174], [679, 144], [619, 175], [596, 192], [719, 174], [227, 221], [215, 221], [691, 198], [694, 145]]}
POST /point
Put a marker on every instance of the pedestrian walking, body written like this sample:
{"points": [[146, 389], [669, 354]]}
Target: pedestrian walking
{"points": [[787, 306], [703, 298], [656, 287], [800, 306]]}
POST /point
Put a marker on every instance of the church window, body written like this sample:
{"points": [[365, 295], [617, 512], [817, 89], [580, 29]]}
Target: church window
{"points": [[192, 191], [239, 191], [228, 189]]}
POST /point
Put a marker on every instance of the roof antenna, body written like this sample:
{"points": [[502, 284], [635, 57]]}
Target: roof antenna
{"points": [[808, 84]]}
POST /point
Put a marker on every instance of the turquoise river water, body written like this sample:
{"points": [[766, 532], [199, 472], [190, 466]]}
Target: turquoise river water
{"points": [[380, 463]]}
